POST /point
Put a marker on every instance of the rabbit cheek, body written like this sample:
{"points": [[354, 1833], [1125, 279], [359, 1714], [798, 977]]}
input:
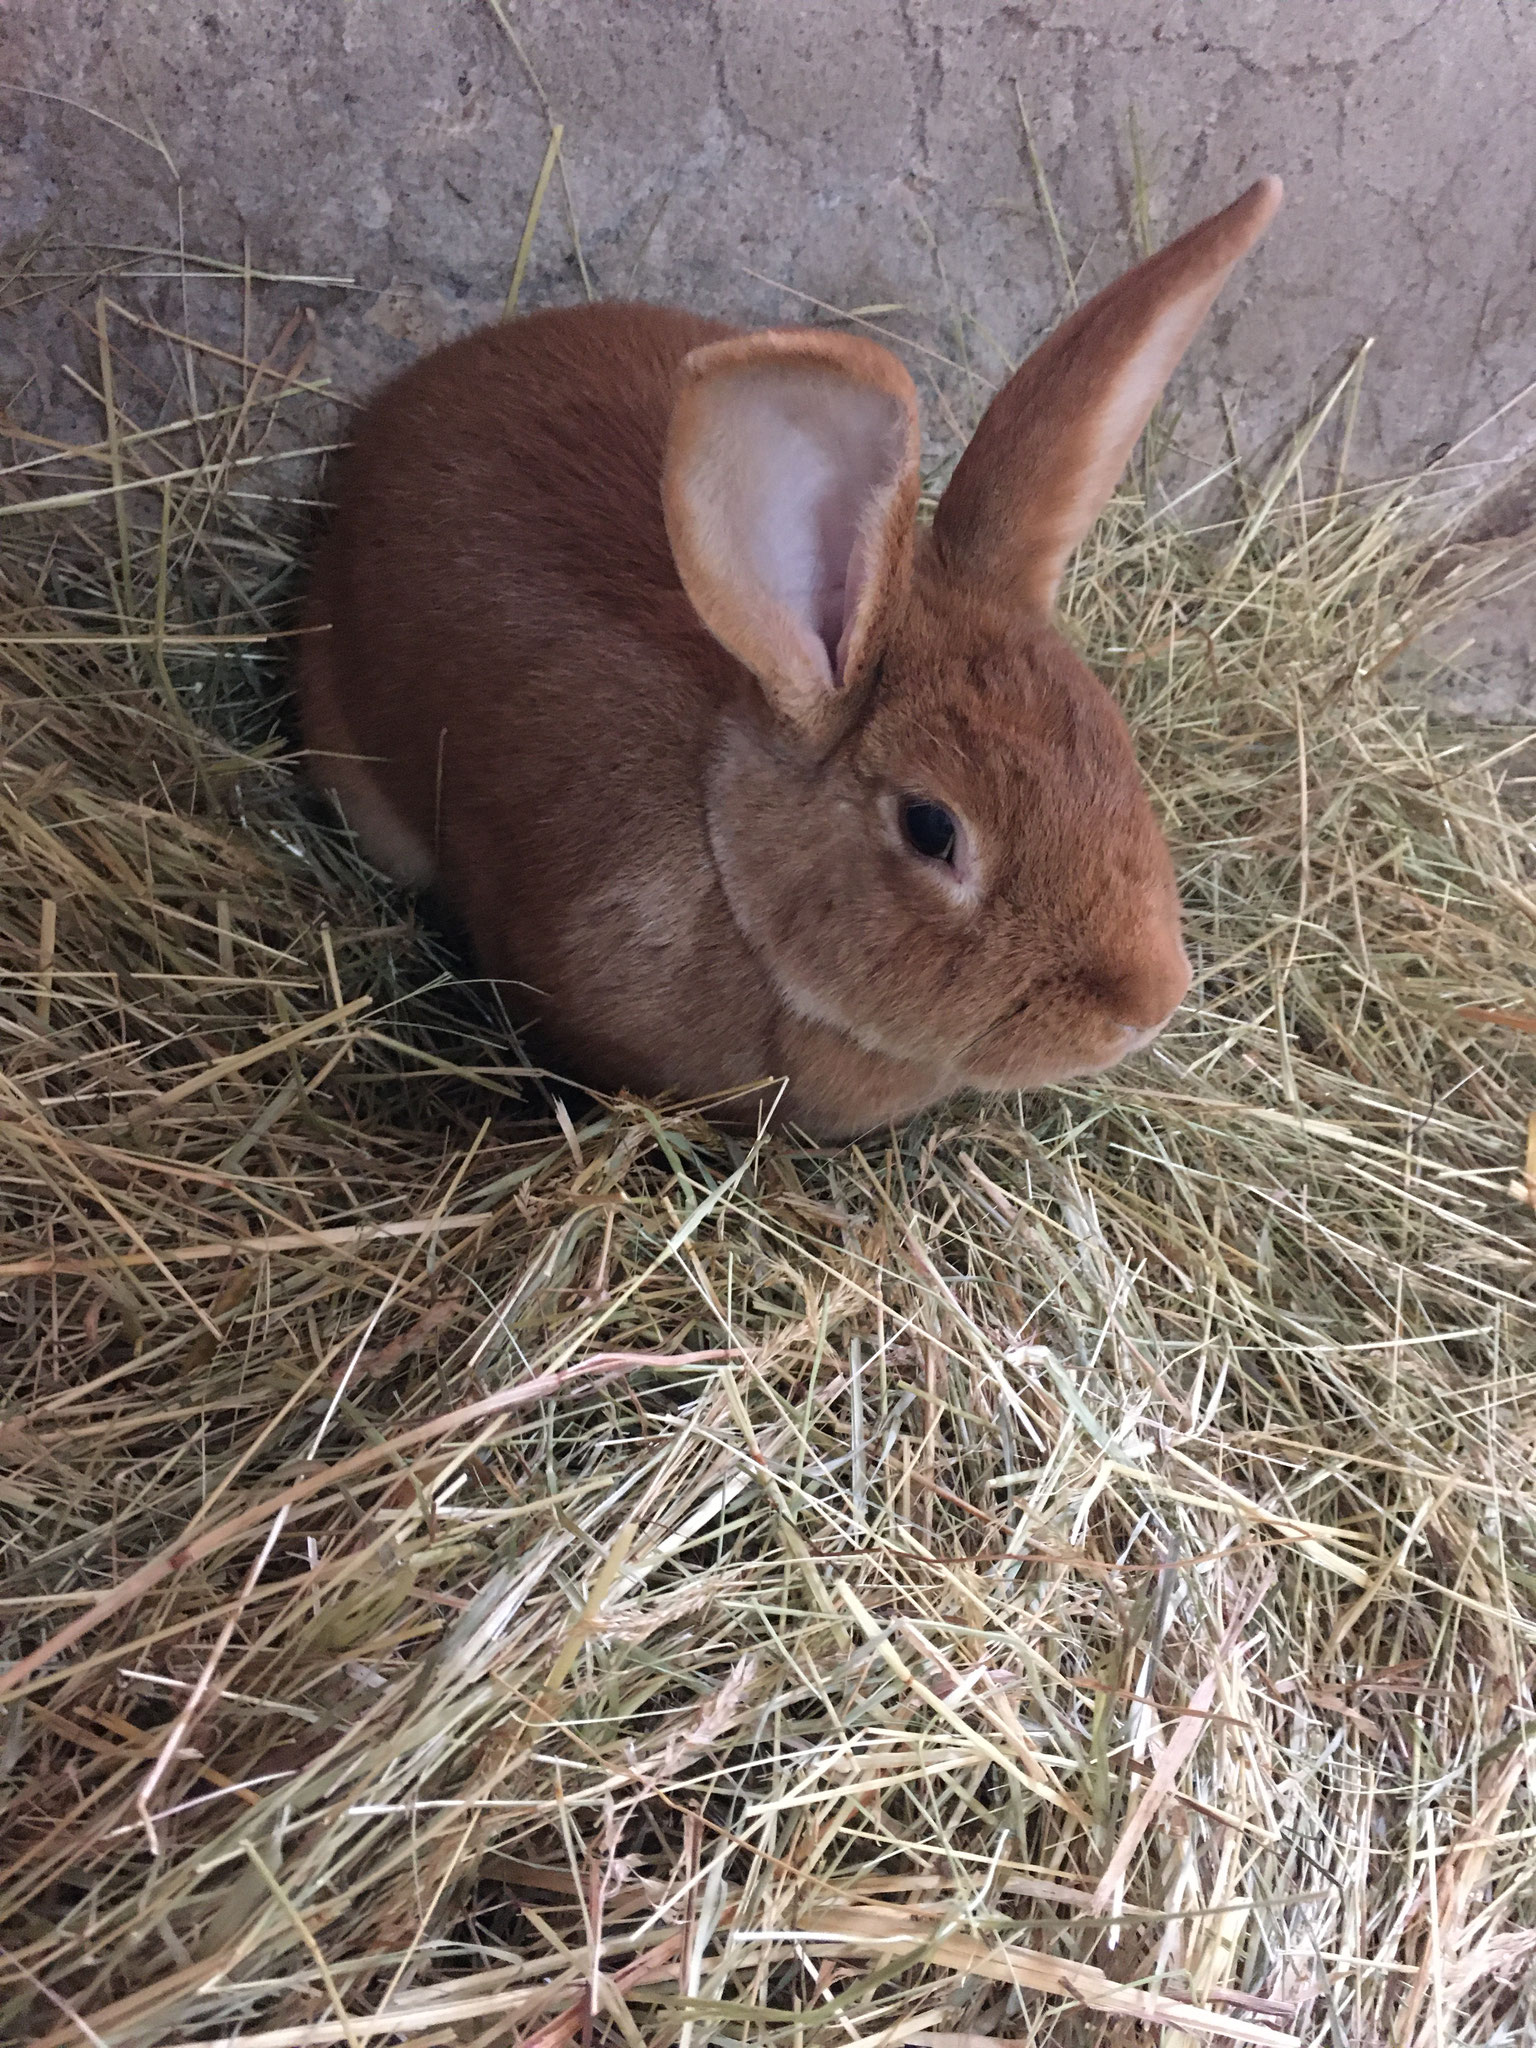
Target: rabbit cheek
{"points": [[799, 866]]}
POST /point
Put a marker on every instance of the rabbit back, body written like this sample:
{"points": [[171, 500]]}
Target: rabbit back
{"points": [[510, 695]]}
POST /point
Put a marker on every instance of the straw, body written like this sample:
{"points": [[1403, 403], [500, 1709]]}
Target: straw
{"points": [[1058, 1571]]}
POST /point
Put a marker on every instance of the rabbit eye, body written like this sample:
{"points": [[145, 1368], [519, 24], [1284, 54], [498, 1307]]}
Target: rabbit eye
{"points": [[930, 829]]}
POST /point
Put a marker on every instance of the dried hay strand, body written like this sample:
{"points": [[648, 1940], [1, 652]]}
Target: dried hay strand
{"points": [[1063, 1569]]}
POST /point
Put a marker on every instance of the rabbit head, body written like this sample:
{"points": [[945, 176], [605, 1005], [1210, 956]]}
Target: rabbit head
{"points": [[925, 809]]}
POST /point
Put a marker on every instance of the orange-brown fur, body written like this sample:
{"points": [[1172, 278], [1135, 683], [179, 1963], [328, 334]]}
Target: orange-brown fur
{"points": [[685, 883]]}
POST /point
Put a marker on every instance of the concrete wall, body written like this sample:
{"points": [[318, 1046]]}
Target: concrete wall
{"points": [[861, 151]]}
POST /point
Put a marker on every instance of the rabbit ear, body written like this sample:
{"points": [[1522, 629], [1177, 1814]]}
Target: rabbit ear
{"points": [[1054, 442], [789, 488]]}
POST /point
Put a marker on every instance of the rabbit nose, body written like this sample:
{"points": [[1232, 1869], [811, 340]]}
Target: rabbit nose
{"points": [[1142, 1001]]}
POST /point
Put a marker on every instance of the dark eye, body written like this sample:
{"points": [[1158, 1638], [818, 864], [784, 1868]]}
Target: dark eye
{"points": [[930, 829]]}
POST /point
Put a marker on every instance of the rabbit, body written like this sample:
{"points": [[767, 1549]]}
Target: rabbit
{"points": [[625, 638]]}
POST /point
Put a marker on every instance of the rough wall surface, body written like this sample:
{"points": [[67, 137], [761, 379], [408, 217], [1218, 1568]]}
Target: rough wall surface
{"points": [[858, 151]]}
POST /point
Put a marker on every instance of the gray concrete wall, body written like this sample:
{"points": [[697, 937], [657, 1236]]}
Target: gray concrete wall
{"points": [[860, 151]]}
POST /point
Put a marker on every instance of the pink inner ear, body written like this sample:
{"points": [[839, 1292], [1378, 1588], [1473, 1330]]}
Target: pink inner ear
{"points": [[812, 460]]}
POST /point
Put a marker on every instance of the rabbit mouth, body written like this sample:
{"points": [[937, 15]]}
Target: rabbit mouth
{"points": [[1013, 1015], [1071, 1045]]}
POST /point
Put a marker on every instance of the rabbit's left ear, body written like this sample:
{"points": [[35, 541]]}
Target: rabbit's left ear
{"points": [[1054, 442], [789, 488]]}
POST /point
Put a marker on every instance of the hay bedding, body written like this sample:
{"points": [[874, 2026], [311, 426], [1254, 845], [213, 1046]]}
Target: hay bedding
{"points": [[474, 1577]]}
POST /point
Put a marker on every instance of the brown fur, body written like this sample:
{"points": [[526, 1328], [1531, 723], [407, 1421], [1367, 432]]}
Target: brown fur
{"points": [[684, 863]]}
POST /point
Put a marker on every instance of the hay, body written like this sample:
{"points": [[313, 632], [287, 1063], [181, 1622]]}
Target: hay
{"points": [[474, 1578]]}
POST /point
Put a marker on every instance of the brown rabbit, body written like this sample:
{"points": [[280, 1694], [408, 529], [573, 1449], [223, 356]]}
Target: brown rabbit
{"points": [[730, 772]]}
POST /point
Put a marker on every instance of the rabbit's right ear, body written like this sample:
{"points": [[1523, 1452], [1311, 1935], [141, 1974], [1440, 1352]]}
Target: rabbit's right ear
{"points": [[1055, 440], [789, 488]]}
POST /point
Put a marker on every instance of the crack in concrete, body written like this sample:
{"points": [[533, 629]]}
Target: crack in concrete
{"points": [[920, 102], [730, 106]]}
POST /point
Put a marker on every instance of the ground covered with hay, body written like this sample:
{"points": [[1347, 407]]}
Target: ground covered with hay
{"points": [[1063, 1570]]}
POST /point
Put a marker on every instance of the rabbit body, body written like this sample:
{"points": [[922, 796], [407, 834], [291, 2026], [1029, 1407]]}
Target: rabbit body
{"points": [[624, 639], [517, 703]]}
